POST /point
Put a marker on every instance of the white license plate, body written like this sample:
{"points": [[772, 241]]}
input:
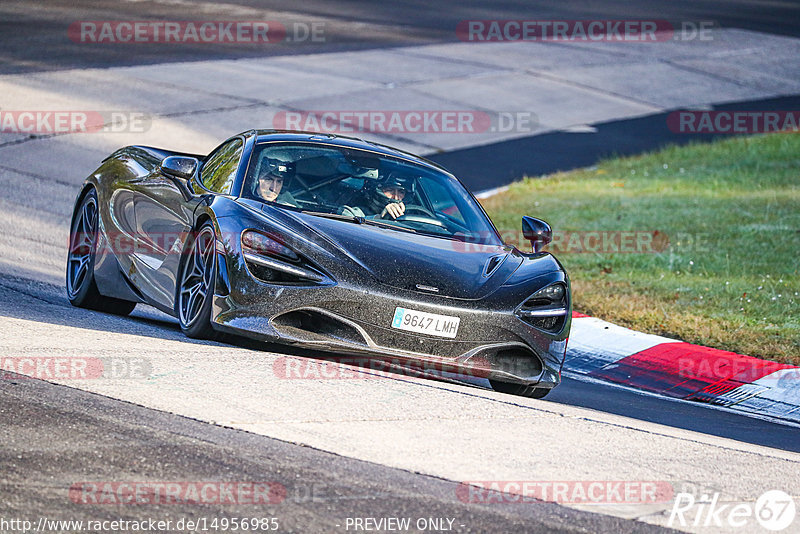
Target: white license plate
{"points": [[425, 323]]}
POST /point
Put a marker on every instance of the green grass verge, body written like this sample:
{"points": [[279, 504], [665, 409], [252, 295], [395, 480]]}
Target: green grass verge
{"points": [[730, 210]]}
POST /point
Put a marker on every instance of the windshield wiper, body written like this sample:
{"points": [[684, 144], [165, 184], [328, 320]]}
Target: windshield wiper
{"points": [[337, 216], [389, 225], [359, 220]]}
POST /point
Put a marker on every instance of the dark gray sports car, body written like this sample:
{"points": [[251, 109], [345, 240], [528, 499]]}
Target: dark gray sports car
{"points": [[324, 242]]}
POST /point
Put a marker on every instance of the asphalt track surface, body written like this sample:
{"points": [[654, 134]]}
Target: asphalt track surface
{"points": [[56, 436], [33, 38], [574, 392], [611, 399], [90, 438], [32, 32]]}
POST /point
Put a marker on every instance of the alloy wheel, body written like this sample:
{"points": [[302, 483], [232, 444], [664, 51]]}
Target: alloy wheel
{"points": [[196, 276], [81, 246]]}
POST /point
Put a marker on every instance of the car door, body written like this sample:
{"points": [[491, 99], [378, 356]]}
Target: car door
{"points": [[164, 219]]}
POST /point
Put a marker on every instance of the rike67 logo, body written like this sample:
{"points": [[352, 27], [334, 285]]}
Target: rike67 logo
{"points": [[774, 510]]}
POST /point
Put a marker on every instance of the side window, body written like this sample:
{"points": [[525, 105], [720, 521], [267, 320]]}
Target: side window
{"points": [[219, 172]]}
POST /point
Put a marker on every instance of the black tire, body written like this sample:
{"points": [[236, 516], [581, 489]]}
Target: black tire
{"points": [[521, 390], [195, 288], [80, 283]]}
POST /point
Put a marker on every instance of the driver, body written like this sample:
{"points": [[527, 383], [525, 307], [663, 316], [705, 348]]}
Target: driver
{"points": [[271, 177], [382, 199]]}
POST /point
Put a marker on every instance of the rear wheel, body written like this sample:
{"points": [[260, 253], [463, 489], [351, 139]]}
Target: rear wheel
{"points": [[521, 390], [195, 291], [81, 286]]}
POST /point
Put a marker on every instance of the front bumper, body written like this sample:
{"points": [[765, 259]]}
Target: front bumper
{"points": [[492, 342]]}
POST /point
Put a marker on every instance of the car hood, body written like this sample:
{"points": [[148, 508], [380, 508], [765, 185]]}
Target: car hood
{"points": [[406, 260]]}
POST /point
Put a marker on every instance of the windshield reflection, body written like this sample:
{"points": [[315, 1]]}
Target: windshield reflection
{"points": [[366, 188]]}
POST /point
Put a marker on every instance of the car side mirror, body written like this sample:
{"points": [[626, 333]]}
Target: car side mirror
{"points": [[537, 232], [179, 167], [180, 170]]}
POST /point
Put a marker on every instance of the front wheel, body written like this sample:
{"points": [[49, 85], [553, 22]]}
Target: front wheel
{"points": [[522, 390], [81, 286], [195, 291]]}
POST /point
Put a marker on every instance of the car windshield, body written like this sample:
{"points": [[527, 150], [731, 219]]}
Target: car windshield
{"points": [[366, 187]]}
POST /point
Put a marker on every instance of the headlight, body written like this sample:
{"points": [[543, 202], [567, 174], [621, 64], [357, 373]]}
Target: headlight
{"points": [[547, 308], [271, 261], [555, 292], [258, 243]]}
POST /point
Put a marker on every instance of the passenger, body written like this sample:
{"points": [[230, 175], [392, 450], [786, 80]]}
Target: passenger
{"points": [[382, 199]]}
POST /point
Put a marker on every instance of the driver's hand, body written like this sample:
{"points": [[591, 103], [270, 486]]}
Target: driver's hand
{"points": [[395, 210]]}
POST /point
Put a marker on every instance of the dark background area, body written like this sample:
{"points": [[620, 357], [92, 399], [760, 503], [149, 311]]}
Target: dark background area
{"points": [[33, 33]]}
